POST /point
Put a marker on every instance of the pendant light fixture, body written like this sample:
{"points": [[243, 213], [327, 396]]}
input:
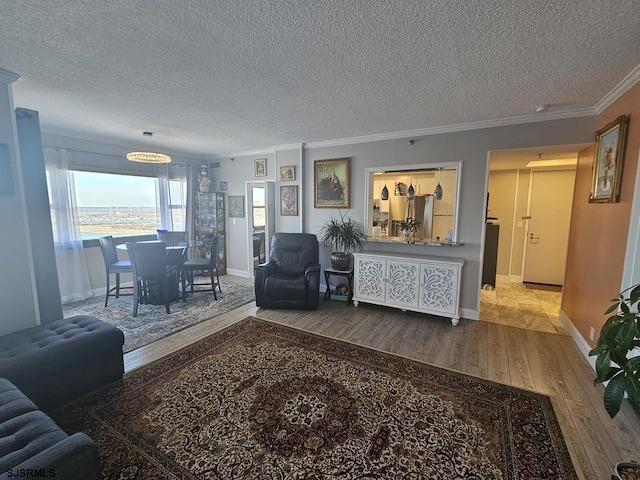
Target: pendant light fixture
{"points": [[384, 195], [437, 193], [148, 157], [411, 192]]}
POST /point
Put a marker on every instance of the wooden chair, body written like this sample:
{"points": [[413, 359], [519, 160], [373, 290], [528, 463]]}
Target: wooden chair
{"points": [[154, 281], [204, 264], [113, 265]]}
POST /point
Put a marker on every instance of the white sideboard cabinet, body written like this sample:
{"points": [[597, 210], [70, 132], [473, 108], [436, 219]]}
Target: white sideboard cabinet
{"points": [[410, 282]]}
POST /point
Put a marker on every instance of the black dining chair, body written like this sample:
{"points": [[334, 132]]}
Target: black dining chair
{"points": [[177, 256], [155, 282], [258, 246], [205, 264], [113, 266], [172, 237]]}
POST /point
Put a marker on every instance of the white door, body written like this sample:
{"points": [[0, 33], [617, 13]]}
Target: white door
{"points": [[548, 226]]}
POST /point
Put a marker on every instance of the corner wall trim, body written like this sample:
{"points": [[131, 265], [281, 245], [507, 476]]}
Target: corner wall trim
{"points": [[470, 314], [581, 343]]}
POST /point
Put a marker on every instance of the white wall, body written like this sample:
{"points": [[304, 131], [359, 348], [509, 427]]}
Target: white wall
{"points": [[17, 283]]}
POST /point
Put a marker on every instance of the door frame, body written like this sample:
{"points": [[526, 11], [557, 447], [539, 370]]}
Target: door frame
{"points": [[270, 218]]}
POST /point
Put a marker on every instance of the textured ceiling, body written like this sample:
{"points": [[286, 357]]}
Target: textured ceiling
{"points": [[217, 77]]}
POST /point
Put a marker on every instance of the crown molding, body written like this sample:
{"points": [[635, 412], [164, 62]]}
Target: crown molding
{"points": [[619, 90], [501, 122], [289, 146], [8, 77]]}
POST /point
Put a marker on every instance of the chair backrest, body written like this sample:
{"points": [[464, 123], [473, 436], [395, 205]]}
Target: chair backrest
{"points": [[177, 256], [258, 241], [148, 259], [108, 249], [173, 237], [215, 244], [294, 252]]}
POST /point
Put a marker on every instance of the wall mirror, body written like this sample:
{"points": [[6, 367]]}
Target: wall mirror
{"points": [[428, 193]]}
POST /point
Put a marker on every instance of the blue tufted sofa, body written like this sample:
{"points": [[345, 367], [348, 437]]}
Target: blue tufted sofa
{"points": [[33, 446], [62, 360]]}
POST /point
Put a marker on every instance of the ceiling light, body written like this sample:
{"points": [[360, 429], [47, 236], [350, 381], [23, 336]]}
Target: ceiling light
{"points": [[552, 163], [148, 157]]}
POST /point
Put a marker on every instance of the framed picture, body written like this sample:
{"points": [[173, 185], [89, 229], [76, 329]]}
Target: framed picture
{"points": [[260, 167], [289, 201], [331, 183], [288, 173], [608, 162], [236, 206], [223, 186]]}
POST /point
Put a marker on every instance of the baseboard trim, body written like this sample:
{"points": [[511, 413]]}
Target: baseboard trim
{"points": [[238, 273], [579, 340], [503, 278], [470, 314]]}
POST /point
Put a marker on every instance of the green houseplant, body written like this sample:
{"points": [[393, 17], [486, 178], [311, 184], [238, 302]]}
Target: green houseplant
{"points": [[617, 359], [344, 236], [409, 227]]}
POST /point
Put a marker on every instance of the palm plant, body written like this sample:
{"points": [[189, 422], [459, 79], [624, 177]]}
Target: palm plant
{"points": [[344, 236]]}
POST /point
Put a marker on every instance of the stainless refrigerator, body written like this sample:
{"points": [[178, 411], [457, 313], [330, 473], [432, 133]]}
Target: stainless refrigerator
{"points": [[420, 208]]}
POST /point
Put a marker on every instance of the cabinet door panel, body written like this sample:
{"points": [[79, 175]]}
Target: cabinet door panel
{"points": [[369, 278], [402, 286], [439, 288]]}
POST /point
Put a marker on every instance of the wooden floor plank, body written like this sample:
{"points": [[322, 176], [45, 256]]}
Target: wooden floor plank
{"points": [[549, 363]]}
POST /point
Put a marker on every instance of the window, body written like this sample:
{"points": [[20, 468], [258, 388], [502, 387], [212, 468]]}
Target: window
{"points": [[258, 207], [177, 205]]}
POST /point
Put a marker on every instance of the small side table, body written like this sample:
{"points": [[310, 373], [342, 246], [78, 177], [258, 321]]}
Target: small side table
{"points": [[328, 272]]}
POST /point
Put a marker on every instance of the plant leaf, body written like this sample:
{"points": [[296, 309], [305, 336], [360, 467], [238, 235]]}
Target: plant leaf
{"points": [[613, 394], [634, 296], [612, 308], [603, 363]]}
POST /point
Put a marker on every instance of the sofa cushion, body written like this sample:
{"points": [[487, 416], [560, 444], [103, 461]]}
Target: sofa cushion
{"points": [[12, 401], [24, 436]]}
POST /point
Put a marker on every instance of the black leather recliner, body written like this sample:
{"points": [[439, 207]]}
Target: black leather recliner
{"points": [[291, 277]]}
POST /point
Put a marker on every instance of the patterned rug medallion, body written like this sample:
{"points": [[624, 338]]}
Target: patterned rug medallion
{"points": [[262, 400], [152, 322]]}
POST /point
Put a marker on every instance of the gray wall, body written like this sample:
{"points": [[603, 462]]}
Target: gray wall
{"points": [[470, 147]]}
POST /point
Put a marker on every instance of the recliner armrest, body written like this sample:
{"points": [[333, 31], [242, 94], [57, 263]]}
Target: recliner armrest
{"points": [[266, 269], [312, 269]]}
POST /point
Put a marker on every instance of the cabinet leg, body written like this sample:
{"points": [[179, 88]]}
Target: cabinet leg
{"points": [[455, 321], [355, 303]]}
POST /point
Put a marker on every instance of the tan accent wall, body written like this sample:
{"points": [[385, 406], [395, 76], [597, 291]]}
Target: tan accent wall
{"points": [[598, 235]]}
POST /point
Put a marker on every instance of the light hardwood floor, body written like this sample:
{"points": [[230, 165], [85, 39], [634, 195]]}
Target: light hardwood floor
{"points": [[548, 363]]}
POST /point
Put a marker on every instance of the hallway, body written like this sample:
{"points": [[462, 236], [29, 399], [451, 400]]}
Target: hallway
{"points": [[533, 307]]}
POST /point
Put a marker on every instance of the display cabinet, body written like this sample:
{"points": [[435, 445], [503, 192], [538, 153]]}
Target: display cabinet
{"points": [[209, 220], [409, 282]]}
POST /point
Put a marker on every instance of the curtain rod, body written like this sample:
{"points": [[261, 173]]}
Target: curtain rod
{"points": [[103, 154]]}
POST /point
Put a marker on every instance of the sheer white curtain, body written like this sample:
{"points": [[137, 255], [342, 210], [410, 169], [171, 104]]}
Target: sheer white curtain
{"points": [[73, 273], [171, 219]]}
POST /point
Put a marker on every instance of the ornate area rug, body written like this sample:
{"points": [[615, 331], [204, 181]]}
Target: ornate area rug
{"points": [[152, 322], [262, 400]]}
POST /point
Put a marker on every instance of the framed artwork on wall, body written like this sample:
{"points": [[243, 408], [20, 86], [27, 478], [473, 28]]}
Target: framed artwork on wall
{"points": [[608, 161], [288, 173], [236, 206], [224, 186], [289, 201], [260, 167], [331, 183]]}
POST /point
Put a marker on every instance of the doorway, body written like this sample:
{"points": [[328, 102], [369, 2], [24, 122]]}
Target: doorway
{"points": [[532, 203], [261, 221]]}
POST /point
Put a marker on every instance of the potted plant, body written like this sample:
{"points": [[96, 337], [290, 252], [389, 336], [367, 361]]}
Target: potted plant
{"points": [[343, 235], [618, 362], [618, 352], [409, 228]]}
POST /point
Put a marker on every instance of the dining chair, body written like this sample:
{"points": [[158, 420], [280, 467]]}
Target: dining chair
{"points": [[173, 237], [205, 264], [155, 282], [177, 256], [113, 265], [258, 246]]}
